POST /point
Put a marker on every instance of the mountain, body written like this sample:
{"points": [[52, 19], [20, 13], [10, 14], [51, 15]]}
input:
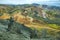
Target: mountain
{"points": [[29, 21], [51, 7]]}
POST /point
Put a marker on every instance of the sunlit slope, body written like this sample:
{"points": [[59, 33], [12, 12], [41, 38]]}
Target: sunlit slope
{"points": [[5, 16], [28, 22]]}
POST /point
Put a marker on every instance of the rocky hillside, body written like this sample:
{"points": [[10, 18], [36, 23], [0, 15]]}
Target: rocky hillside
{"points": [[30, 22]]}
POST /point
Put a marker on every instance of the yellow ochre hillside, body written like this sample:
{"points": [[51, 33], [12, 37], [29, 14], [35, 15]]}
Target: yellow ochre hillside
{"points": [[28, 21]]}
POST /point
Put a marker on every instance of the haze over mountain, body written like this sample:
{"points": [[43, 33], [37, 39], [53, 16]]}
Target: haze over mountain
{"points": [[46, 2]]}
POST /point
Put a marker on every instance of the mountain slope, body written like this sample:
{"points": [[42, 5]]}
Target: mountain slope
{"points": [[29, 22]]}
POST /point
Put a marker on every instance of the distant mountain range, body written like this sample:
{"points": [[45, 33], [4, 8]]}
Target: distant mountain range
{"points": [[47, 6], [35, 4]]}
